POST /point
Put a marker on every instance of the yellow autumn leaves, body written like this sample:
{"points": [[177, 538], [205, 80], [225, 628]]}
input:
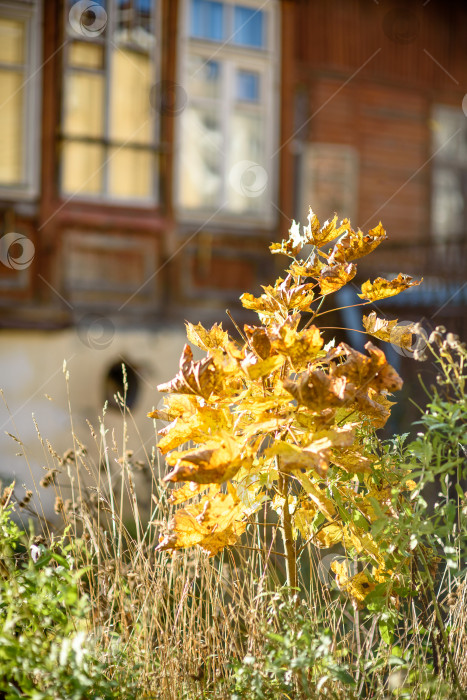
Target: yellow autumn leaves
{"points": [[278, 405]]}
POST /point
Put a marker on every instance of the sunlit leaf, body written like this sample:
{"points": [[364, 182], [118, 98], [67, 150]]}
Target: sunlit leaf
{"points": [[258, 340], [311, 267], [355, 244], [364, 372], [357, 587], [216, 337], [260, 368], [328, 536], [186, 492], [217, 461], [319, 236], [303, 520], [381, 288], [315, 456], [389, 331], [317, 390], [213, 523], [300, 346], [352, 461], [201, 378], [333, 277]]}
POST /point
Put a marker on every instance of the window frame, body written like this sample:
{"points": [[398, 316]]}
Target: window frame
{"points": [[457, 166], [29, 11], [265, 61], [155, 149]]}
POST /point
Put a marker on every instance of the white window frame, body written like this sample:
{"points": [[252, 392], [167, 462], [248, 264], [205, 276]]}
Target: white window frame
{"points": [[106, 198], [265, 61], [29, 11]]}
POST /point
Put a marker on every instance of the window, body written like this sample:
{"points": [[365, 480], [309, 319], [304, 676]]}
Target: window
{"points": [[449, 173], [109, 146], [19, 90], [227, 133]]}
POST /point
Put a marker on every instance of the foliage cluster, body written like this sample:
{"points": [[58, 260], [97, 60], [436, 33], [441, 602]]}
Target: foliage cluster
{"points": [[284, 419]]}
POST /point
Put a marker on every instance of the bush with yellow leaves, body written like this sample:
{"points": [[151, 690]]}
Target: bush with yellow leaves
{"points": [[282, 418]]}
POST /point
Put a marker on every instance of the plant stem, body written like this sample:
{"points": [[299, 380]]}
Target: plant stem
{"points": [[287, 536], [441, 624]]}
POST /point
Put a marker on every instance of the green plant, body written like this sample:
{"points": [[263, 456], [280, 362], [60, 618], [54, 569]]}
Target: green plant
{"points": [[46, 650], [299, 660]]}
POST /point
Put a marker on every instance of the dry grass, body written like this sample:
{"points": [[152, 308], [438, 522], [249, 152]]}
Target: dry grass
{"points": [[181, 621]]}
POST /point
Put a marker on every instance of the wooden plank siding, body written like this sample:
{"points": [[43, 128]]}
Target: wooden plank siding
{"points": [[355, 73]]}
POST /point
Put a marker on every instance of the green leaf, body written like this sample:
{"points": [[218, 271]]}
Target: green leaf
{"points": [[386, 628]]}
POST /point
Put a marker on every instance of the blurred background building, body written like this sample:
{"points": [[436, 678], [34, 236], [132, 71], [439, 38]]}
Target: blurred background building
{"points": [[150, 150]]}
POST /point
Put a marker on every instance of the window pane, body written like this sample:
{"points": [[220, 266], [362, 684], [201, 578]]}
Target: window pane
{"points": [[11, 127], [84, 104], [207, 20], [82, 168], [247, 86], [248, 27], [449, 133], [448, 204], [203, 77], [200, 159], [134, 23], [130, 110], [247, 186], [86, 55], [11, 41], [130, 173]]}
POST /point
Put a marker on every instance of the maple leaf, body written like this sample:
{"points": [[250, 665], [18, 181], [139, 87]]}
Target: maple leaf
{"points": [[284, 296], [320, 500], [352, 461], [292, 245], [261, 368], [381, 288], [355, 244], [213, 523], [319, 236], [175, 405], [315, 456], [376, 407], [216, 337], [318, 391], [365, 372], [258, 340], [186, 492], [300, 346], [357, 587], [196, 427], [217, 461], [333, 277], [303, 518], [328, 536], [201, 378], [389, 331], [311, 267]]}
